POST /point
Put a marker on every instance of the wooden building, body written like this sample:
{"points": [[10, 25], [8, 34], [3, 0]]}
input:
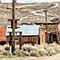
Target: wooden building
{"points": [[3, 34], [30, 33], [53, 29]]}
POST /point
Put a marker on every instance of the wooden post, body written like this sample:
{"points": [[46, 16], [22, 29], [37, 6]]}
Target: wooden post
{"points": [[13, 25], [7, 41], [13, 16], [57, 32], [16, 24], [47, 40], [20, 39]]}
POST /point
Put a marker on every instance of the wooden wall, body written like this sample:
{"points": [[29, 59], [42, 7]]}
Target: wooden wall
{"points": [[29, 39], [26, 39], [50, 25], [53, 28]]}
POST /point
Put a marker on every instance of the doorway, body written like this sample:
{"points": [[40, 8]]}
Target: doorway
{"points": [[54, 38], [38, 40]]}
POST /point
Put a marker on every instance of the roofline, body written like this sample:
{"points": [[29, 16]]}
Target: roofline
{"points": [[45, 23], [23, 35]]}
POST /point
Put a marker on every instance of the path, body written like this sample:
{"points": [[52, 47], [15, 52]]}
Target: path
{"points": [[54, 57], [34, 12]]}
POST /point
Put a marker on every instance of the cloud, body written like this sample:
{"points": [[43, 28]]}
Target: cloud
{"points": [[6, 1], [25, 1], [29, 1], [20, 1], [46, 0]]}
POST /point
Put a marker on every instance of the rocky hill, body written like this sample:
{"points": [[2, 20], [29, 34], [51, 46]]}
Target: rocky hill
{"points": [[29, 12]]}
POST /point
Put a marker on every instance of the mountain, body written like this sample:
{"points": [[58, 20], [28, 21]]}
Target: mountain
{"points": [[29, 12]]}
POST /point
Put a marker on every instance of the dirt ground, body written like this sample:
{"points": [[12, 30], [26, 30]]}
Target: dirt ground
{"points": [[54, 57]]}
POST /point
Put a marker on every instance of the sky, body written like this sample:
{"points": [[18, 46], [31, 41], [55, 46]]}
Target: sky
{"points": [[30, 1]]}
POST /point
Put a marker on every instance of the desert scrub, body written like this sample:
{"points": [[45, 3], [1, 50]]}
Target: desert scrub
{"points": [[51, 45], [13, 56], [6, 53]]}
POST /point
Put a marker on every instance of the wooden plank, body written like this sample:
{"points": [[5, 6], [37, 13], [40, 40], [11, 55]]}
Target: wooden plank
{"points": [[7, 41], [53, 28], [15, 27], [15, 19], [45, 23]]}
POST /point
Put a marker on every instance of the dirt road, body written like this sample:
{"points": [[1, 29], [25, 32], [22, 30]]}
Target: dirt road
{"points": [[54, 57]]}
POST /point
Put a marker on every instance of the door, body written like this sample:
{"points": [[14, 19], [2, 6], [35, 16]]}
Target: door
{"points": [[54, 38], [38, 40]]}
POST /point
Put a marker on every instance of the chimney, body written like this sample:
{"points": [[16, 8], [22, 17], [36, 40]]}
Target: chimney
{"points": [[42, 25]]}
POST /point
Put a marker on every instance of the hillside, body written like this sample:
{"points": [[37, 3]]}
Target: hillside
{"points": [[29, 12]]}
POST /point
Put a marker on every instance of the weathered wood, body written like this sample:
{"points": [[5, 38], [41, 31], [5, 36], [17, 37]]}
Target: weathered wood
{"points": [[25, 39], [52, 28], [15, 27], [20, 39], [45, 23], [13, 17], [7, 41]]}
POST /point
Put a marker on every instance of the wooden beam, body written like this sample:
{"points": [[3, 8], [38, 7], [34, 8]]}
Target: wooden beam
{"points": [[15, 32], [13, 17], [15, 27], [20, 39], [14, 23], [45, 23]]}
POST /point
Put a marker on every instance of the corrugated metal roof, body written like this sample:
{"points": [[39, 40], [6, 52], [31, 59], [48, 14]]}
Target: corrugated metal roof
{"points": [[27, 30], [10, 30]]}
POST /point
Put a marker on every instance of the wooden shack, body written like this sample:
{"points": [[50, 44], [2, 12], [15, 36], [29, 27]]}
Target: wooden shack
{"points": [[30, 33], [53, 29]]}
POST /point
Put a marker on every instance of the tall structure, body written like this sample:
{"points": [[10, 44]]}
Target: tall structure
{"points": [[46, 26], [13, 17], [47, 39]]}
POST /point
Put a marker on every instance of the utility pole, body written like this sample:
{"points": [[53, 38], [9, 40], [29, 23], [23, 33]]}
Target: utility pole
{"points": [[47, 38], [13, 26], [13, 17], [46, 25]]}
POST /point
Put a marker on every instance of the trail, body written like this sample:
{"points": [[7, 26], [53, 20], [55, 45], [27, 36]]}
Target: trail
{"points": [[35, 12], [54, 57]]}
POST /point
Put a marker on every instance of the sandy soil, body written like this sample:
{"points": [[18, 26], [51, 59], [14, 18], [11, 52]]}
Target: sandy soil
{"points": [[54, 57]]}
